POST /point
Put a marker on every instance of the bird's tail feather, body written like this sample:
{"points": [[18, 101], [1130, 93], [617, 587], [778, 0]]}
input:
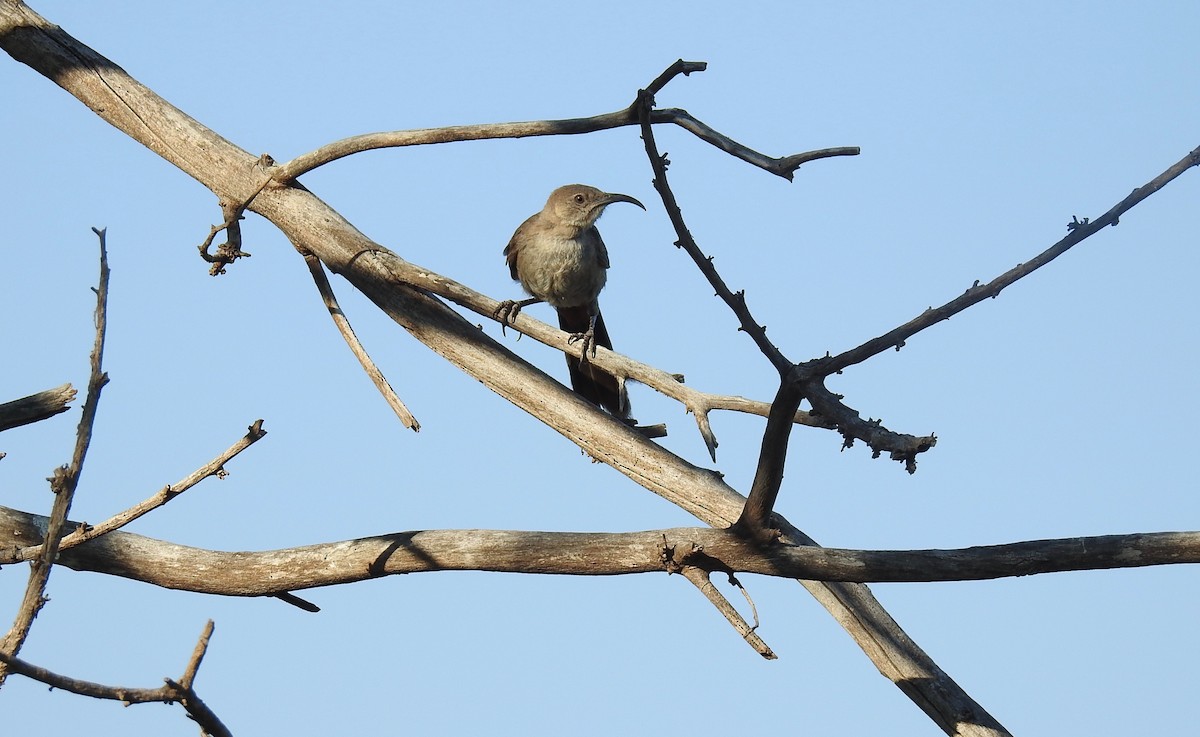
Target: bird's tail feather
{"points": [[587, 380]]}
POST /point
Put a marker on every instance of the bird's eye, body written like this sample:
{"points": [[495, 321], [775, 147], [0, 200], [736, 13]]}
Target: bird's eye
{"points": [[579, 198]]}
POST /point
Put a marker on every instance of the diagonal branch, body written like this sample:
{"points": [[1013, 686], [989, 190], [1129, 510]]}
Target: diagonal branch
{"points": [[1077, 232], [356, 347], [736, 302], [697, 402], [216, 467]]}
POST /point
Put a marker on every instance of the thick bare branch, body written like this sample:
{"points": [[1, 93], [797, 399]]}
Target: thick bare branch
{"points": [[35, 407], [265, 573], [755, 520]]}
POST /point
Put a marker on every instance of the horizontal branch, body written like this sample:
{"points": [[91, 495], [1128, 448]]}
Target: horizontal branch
{"points": [[582, 554], [784, 166], [35, 407]]}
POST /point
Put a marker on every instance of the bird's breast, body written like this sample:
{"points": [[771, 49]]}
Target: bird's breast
{"points": [[564, 272]]}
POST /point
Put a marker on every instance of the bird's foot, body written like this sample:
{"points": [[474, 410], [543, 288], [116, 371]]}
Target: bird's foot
{"points": [[589, 342], [506, 313]]}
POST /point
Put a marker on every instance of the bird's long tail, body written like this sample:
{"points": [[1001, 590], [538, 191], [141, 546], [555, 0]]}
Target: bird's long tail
{"points": [[587, 380]]}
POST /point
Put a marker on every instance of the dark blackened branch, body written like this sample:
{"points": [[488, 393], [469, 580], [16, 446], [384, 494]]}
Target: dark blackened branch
{"points": [[234, 213], [215, 467], [678, 67], [785, 166], [231, 249], [755, 521], [81, 687], [899, 446], [736, 302], [1078, 230], [170, 693], [356, 347], [66, 478], [35, 407]]}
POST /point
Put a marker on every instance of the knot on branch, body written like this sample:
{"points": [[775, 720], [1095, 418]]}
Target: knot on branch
{"points": [[689, 554]]}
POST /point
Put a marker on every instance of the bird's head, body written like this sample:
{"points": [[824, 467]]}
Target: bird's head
{"points": [[581, 206]]}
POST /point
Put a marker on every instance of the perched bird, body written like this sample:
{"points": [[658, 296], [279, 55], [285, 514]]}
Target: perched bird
{"points": [[559, 258]]}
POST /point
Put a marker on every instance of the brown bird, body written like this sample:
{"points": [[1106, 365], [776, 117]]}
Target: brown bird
{"points": [[559, 258]]}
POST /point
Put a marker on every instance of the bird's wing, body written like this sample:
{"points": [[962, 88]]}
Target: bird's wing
{"points": [[601, 249], [512, 249]]}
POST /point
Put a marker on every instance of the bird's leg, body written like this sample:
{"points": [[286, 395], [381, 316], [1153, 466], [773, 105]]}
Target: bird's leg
{"points": [[507, 311], [588, 338]]}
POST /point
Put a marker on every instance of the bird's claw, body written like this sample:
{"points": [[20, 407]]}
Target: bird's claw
{"points": [[589, 342], [506, 313]]}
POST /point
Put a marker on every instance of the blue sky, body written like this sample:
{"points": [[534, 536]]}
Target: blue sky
{"points": [[1062, 408]]}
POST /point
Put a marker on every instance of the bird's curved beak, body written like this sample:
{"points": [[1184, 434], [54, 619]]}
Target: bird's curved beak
{"points": [[610, 198]]}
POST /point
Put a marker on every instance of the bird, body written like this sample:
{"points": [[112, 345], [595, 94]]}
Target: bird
{"points": [[559, 258]]}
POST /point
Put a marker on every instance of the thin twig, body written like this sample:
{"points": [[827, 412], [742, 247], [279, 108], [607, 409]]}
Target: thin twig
{"points": [[356, 347], [215, 467], [784, 166], [36, 407], [193, 664], [699, 578], [171, 692], [1078, 231], [65, 479], [736, 302]]}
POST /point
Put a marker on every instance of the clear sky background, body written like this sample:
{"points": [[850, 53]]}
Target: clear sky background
{"points": [[1065, 407]]}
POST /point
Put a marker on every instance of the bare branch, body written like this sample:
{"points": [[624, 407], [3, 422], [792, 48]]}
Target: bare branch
{"points": [[899, 446], [216, 467], [266, 573], [171, 692], [35, 407], [134, 109], [697, 402], [356, 347], [1077, 231], [755, 520], [783, 166], [193, 664], [699, 578], [66, 478], [736, 302]]}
